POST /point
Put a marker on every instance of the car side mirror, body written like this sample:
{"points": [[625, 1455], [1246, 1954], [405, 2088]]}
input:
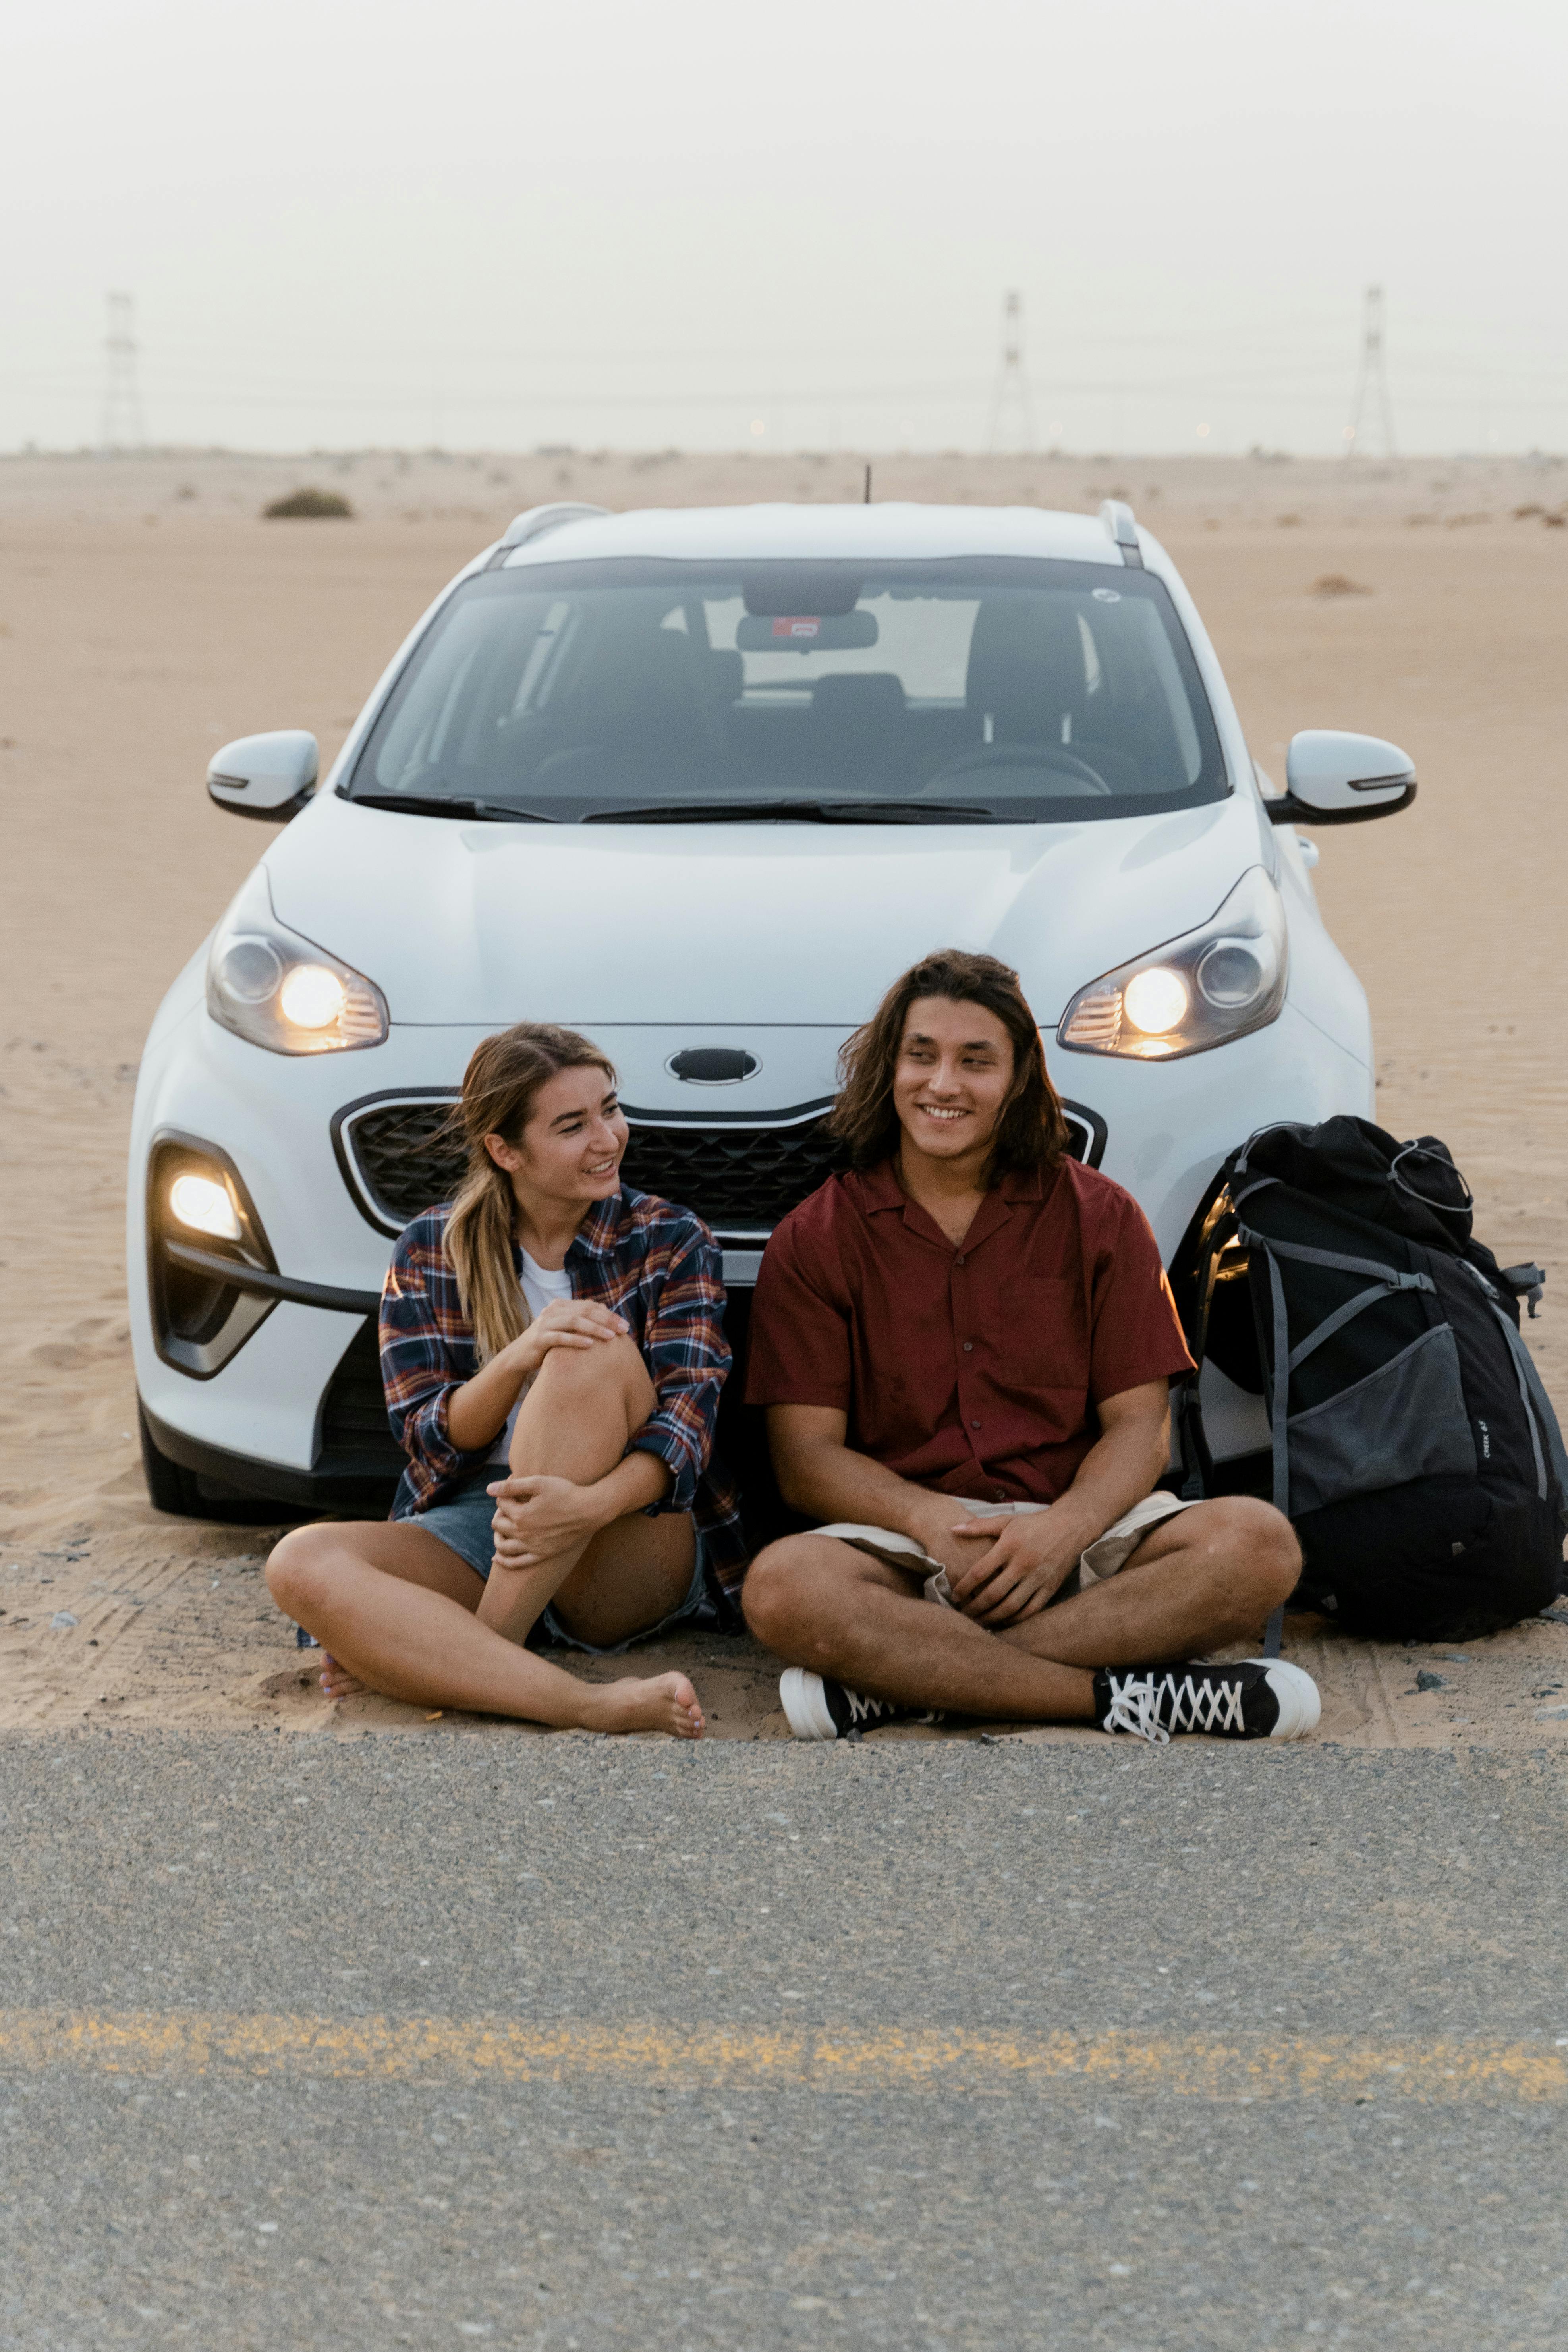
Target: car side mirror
{"points": [[1334, 779], [266, 776]]}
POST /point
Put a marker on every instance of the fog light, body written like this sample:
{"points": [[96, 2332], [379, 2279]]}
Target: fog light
{"points": [[312, 997], [1155, 1001], [203, 1204]]}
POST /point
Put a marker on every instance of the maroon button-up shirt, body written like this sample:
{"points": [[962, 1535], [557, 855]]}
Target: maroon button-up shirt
{"points": [[975, 1371]]}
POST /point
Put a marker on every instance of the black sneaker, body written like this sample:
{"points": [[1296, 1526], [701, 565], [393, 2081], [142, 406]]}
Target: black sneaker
{"points": [[818, 1709], [1255, 1698]]}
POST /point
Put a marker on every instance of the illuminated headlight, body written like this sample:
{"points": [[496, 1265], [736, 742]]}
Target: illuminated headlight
{"points": [[1201, 990], [312, 997], [269, 985], [203, 1204]]}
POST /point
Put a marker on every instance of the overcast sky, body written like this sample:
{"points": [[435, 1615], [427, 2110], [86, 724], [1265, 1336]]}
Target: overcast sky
{"points": [[699, 224]]}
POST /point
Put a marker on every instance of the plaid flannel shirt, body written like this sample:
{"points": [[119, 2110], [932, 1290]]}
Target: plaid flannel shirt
{"points": [[657, 1264]]}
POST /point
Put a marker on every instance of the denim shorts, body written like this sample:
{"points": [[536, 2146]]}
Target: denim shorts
{"points": [[466, 1526]]}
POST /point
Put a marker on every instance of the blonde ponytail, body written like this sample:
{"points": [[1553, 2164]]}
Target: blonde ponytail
{"points": [[478, 1243], [504, 1075]]}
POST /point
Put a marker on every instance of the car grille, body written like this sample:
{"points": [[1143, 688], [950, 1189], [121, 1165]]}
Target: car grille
{"points": [[405, 1157], [739, 1179]]}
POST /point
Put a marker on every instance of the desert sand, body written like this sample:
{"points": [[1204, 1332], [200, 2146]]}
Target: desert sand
{"points": [[147, 614]]}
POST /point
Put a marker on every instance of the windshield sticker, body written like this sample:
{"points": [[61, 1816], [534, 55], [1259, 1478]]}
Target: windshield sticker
{"points": [[1107, 595], [799, 627]]}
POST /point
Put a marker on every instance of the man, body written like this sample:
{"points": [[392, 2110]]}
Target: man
{"points": [[965, 1346]]}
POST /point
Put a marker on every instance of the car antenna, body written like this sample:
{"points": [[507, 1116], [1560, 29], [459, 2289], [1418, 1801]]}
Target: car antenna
{"points": [[867, 485]]}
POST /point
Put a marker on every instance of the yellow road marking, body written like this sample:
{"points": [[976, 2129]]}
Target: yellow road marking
{"points": [[817, 2058]]}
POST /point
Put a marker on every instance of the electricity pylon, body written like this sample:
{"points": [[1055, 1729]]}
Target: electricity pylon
{"points": [[1011, 398], [1371, 379], [122, 425]]}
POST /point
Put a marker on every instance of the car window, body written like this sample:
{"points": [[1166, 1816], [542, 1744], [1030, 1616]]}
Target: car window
{"points": [[1031, 690]]}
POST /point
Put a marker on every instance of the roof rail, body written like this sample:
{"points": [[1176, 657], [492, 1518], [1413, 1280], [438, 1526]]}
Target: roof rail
{"points": [[1117, 517], [534, 521]]}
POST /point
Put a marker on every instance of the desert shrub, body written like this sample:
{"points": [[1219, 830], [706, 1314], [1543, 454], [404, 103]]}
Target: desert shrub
{"points": [[311, 504]]}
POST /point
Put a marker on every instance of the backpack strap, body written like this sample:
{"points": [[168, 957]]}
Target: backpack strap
{"points": [[1386, 1274], [1526, 1282], [1279, 1417], [1537, 1410], [1197, 1461], [1354, 1307]]}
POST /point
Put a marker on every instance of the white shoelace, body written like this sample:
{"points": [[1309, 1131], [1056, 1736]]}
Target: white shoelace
{"points": [[871, 1711], [1137, 1704]]}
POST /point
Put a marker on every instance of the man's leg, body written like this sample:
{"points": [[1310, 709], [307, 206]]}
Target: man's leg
{"points": [[1200, 1581], [1188, 1587], [821, 1603]]}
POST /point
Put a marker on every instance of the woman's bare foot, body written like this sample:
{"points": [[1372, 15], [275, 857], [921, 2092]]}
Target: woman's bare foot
{"points": [[337, 1681], [665, 1703]]}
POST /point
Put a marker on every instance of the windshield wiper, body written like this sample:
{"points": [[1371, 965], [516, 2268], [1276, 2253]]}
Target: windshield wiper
{"points": [[453, 805], [806, 812]]}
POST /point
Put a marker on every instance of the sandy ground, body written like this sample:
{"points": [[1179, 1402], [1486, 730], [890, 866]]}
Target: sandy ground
{"points": [[147, 614]]}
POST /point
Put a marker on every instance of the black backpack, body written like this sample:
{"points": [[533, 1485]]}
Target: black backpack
{"points": [[1333, 1272]]}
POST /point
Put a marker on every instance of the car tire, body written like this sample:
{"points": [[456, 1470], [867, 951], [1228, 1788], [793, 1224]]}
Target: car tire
{"points": [[170, 1486], [184, 1494]]}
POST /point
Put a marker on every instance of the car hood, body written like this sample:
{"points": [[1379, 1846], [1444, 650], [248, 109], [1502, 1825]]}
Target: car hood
{"points": [[743, 923]]}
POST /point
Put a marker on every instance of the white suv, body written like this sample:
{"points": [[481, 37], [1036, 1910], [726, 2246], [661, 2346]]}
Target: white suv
{"points": [[702, 783]]}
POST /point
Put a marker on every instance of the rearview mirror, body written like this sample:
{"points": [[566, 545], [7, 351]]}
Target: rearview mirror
{"points": [[1335, 779], [805, 633], [266, 776]]}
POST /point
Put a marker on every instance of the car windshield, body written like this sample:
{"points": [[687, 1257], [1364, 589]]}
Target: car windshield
{"points": [[972, 689]]}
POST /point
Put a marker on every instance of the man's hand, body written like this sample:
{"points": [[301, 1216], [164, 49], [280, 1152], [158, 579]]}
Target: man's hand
{"points": [[1024, 1566], [538, 1517], [940, 1525]]}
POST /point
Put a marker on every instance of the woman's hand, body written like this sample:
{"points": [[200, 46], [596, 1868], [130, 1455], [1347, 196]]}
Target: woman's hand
{"points": [[539, 1517], [566, 1323], [477, 1413]]}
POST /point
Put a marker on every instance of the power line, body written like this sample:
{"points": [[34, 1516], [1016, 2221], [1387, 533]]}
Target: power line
{"points": [[122, 424]]}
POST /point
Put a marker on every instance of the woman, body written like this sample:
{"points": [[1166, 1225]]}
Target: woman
{"points": [[552, 1353]]}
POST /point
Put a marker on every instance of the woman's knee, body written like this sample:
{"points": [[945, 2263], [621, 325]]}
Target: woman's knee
{"points": [[296, 1567], [608, 1365]]}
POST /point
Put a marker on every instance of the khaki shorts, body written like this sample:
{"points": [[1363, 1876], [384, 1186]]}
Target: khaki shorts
{"points": [[1102, 1557]]}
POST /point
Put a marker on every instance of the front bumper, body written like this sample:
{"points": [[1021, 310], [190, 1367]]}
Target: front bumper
{"points": [[294, 1413]]}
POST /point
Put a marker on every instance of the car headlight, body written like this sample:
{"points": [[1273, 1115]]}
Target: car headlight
{"points": [[1201, 990], [276, 990]]}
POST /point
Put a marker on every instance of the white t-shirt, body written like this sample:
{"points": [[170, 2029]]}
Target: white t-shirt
{"points": [[541, 1284]]}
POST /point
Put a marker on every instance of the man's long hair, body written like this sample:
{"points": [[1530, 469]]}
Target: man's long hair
{"points": [[1031, 1133]]}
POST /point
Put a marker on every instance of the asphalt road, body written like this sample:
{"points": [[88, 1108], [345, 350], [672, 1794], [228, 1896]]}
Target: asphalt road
{"points": [[1233, 2047]]}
